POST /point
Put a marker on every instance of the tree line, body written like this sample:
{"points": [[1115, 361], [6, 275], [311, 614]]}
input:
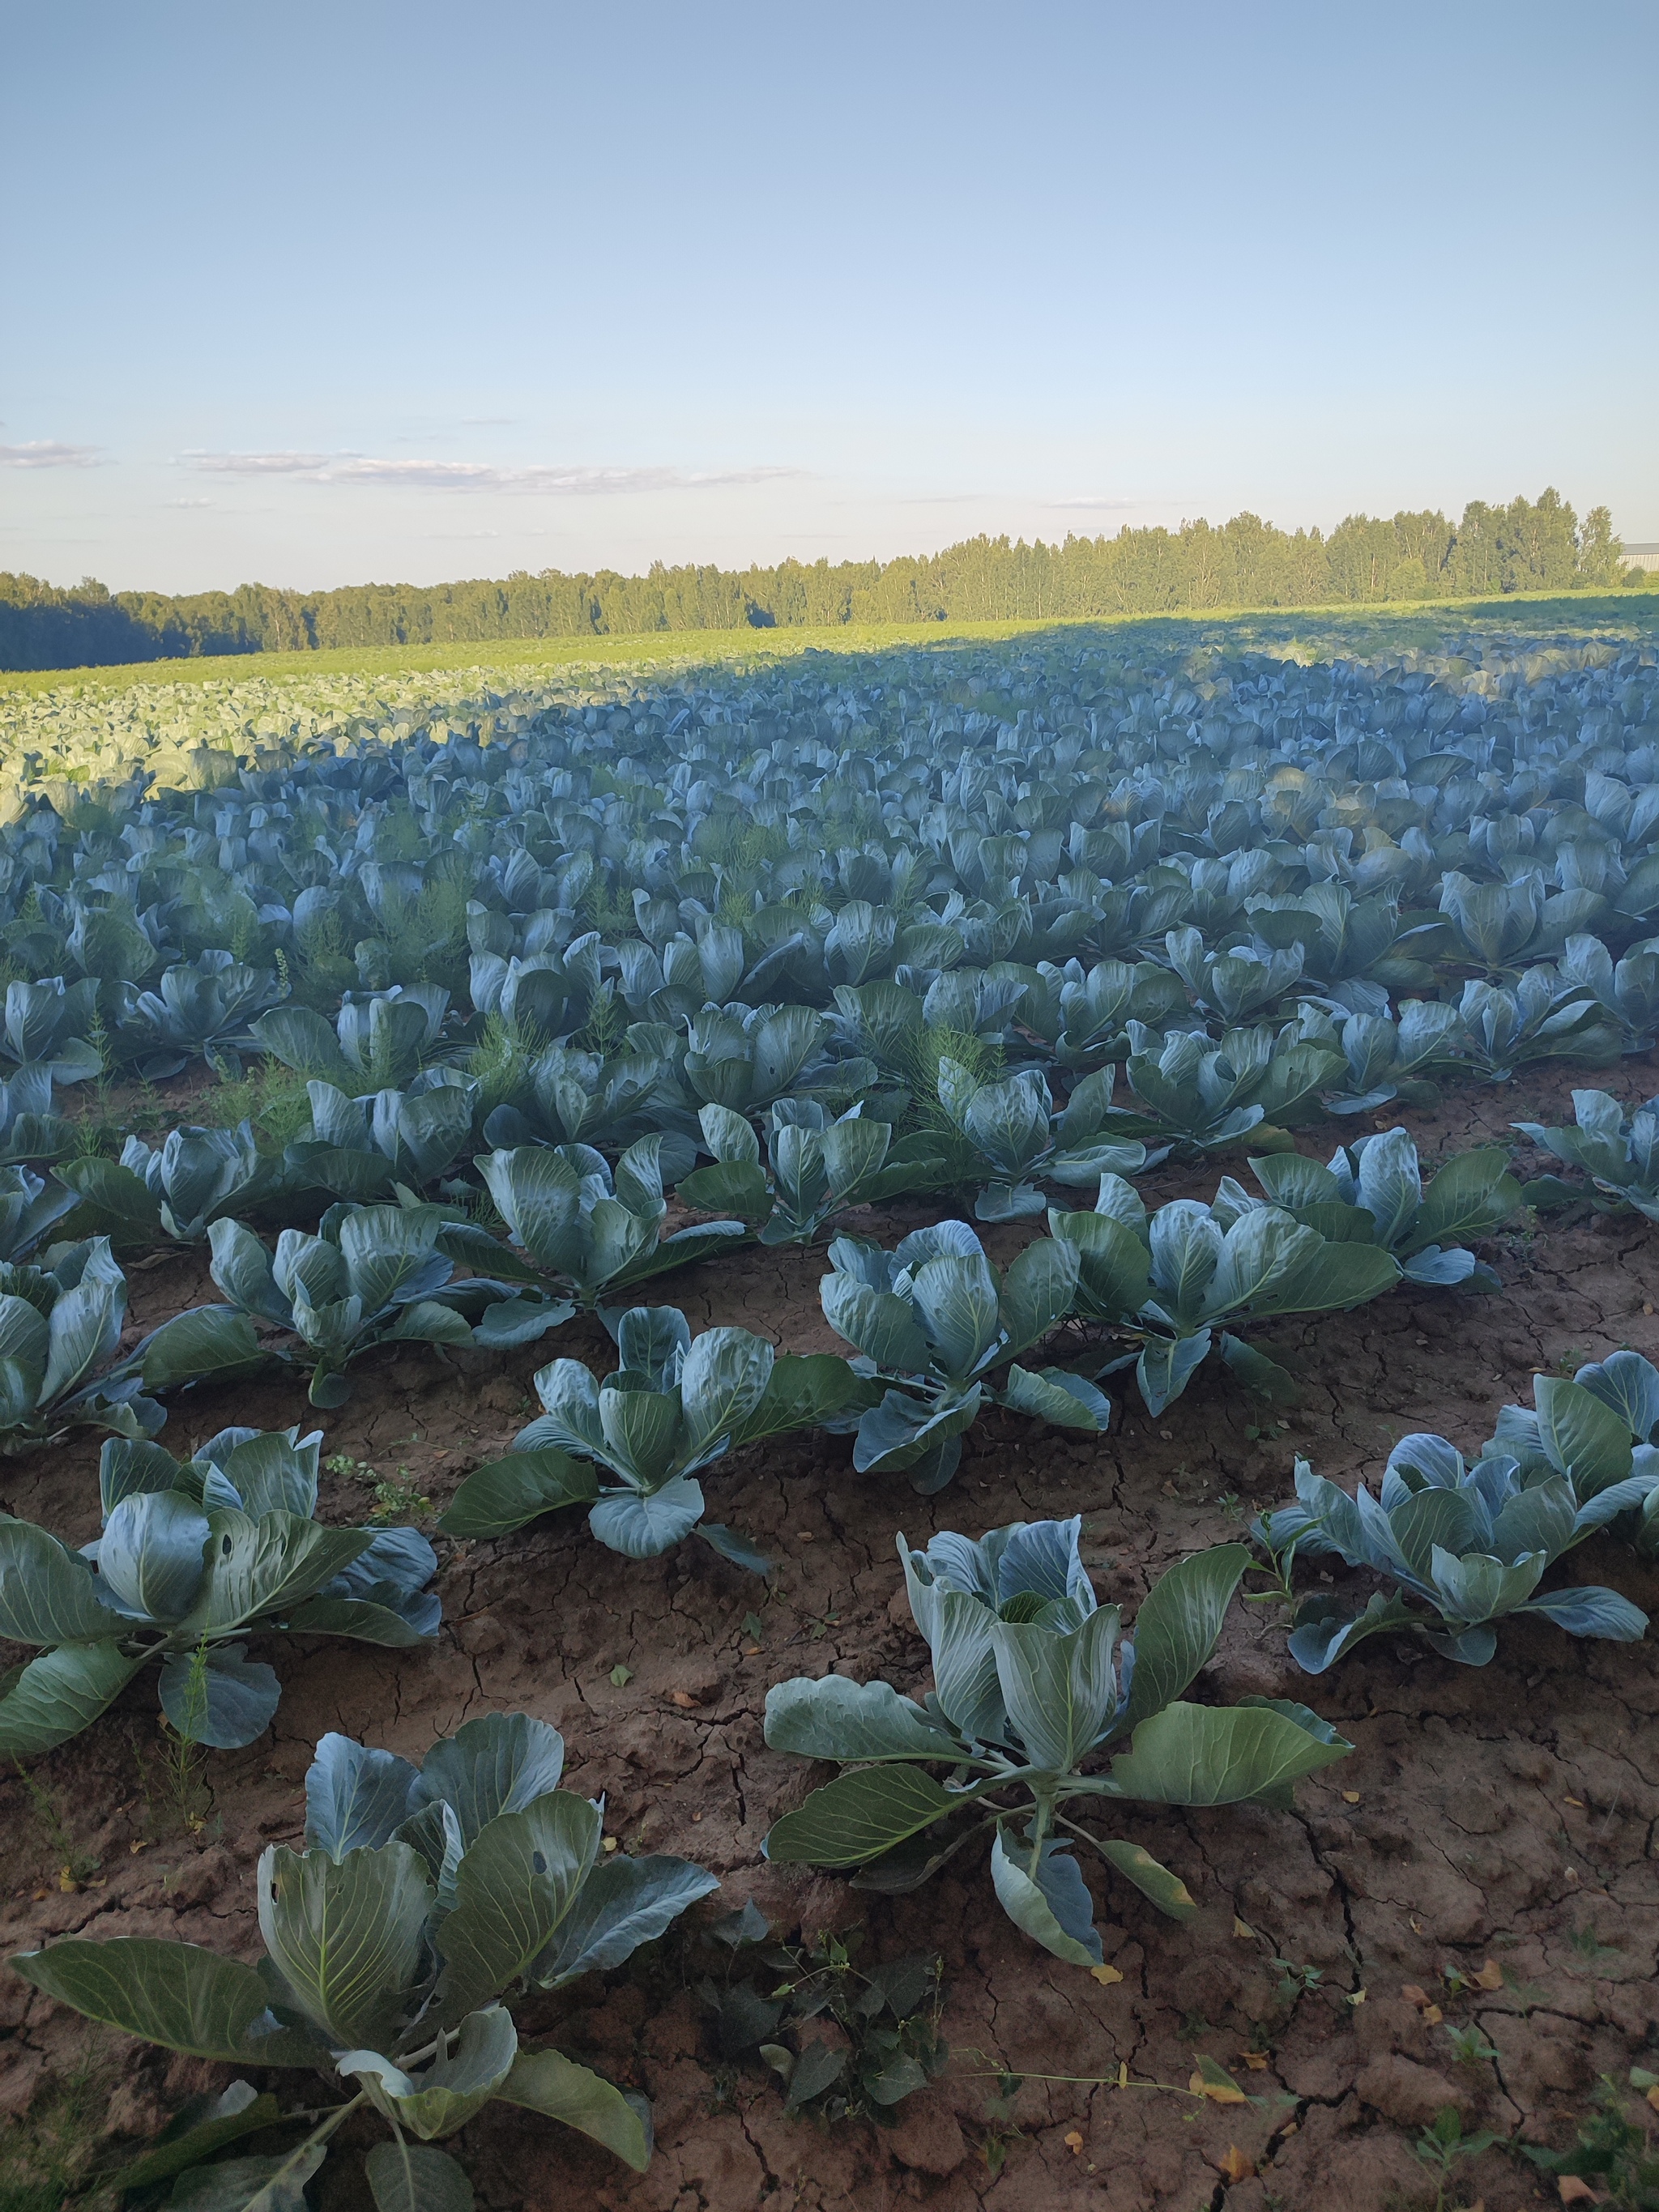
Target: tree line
{"points": [[1528, 546]]}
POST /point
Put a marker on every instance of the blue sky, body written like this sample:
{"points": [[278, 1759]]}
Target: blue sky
{"points": [[323, 292]]}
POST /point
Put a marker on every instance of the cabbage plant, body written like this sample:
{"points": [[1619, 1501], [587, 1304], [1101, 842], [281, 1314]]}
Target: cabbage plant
{"points": [[1621, 1157], [1627, 992], [199, 1009], [378, 1041], [745, 1057], [1231, 987], [1199, 1095], [30, 1204], [630, 1447], [1083, 1014], [1034, 1691], [569, 1097], [1172, 1278], [371, 1275], [360, 1147], [426, 1893], [47, 1026], [932, 1321], [29, 1130], [193, 1560], [60, 1324], [579, 1231], [189, 1180], [1503, 1027], [815, 1166], [1386, 1060], [1372, 1192], [1464, 1546], [1597, 1432], [1009, 1127]]}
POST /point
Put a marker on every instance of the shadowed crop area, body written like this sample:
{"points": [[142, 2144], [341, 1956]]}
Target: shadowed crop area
{"points": [[836, 1417]]}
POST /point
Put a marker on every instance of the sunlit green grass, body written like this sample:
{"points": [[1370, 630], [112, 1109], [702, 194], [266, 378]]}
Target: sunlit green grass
{"points": [[1396, 626]]}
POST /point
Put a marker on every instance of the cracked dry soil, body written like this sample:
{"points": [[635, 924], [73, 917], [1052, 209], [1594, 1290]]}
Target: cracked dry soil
{"points": [[1495, 1819]]}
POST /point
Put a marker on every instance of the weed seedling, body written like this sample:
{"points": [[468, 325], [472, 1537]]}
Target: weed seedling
{"points": [[73, 1866], [1469, 2043], [1442, 2146]]}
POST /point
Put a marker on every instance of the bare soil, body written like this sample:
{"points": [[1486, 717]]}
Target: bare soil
{"points": [[1494, 1823]]}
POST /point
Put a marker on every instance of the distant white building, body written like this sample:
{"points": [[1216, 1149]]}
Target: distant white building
{"points": [[1641, 556]]}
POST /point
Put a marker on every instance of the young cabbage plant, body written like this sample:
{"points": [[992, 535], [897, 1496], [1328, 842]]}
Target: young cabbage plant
{"points": [[359, 1148], [1344, 939], [745, 1057], [1009, 1127], [1502, 1028], [548, 992], [1504, 925], [815, 1166], [878, 1022], [1372, 1193], [30, 1204], [974, 1002], [630, 1447], [382, 1040], [1232, 986], [425, 1895], [1093, 1008], [29, 1130], [1173, 1277], [578, 1231], [371, 1275], [199, 1010], [676, 980], [60, 1323], [190, 1181], [1033, 1688], [47, 1026], [931, 1321], [1599, 1434], [1465, 1546], [1621, 1157], [193, 1560], [1199, 1095], [574, 1097], [1627, 992], [1386, 1060]]}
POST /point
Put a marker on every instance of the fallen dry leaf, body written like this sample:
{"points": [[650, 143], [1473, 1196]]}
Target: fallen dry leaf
{"points": [[1413, 1995], [1255, 2060], [1073, 2143], [1350, 1796], [1490, 1976], [1105, 1975], [1577, 1803], [1243, 1930], [1653, 2096], [1575, 2191], [679, 1698], [1432, 2016], [1217, 2087], [1237, 2165]]}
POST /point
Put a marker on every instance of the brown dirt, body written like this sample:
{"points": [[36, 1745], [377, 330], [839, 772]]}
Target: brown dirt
{"points": [[1502, 1814]]}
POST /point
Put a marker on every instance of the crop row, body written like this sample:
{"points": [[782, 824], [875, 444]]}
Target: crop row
{"points": [[496, 1024]]}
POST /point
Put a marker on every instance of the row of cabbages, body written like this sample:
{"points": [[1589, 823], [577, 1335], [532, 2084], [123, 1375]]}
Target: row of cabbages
{"points": [[1005, 928], [195, 1557], [1359, 832]]}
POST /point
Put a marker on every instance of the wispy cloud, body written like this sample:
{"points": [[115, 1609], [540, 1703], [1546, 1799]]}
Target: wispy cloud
{"points": [[1105, 506], [49, 453], [477, 476]]}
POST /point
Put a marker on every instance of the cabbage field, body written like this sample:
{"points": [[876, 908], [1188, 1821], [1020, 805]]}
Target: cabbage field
{"points": [[871, 1429]]}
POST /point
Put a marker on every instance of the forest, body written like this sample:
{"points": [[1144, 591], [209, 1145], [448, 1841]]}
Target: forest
{"points": [[1528, 546]]}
